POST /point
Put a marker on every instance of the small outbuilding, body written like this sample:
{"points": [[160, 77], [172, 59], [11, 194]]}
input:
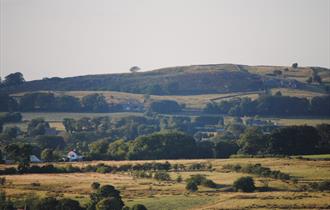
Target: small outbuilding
{"points": [[73, 156], [34, 159]]}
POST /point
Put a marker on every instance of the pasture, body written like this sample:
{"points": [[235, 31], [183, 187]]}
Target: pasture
{"points": [[173, 195], [190, 101]]}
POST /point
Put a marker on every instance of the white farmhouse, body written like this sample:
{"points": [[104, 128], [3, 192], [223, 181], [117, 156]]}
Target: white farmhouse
{"points": [[73, 156]]}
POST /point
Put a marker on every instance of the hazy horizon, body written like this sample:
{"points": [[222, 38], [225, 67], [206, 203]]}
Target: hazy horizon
{"points": [[44, 38]]}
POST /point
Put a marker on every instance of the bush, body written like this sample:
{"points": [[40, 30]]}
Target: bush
{"points": [[138, 207], [198, 179], [209, 183], [178, 178], [324, 186], [245, 184], [110, 203], [68, 204], [162, 176], [164, 107], [46, 204], [320, 186], [191, 186], [95, 185]]}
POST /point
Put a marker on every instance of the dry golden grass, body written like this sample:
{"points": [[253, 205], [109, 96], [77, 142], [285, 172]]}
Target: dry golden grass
{"points": [[172, 195]]}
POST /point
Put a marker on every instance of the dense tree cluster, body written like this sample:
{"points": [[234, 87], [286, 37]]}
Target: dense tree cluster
{"points": [[291, 140], [245, 184], [49, 102], [276, 105], [164, 107], [12, 80]]}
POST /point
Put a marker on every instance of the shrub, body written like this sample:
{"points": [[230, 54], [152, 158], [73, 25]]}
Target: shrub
{"points": [[138, 207], [103, 169], [68, 204], [110, 203], [191, 186], [95, 185], [245, 184], [178, 178], [46, 204], [198, 178], [320, 186], [162, 176], [324, 186], [209, 183]]}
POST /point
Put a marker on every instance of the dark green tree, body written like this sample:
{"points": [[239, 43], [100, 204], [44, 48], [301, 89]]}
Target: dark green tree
{"points": [[245, 184], [47, 204], [110, 203], [252, 142], [14, 79], [191, 186], [94, 103], [68, 204], [138, 207], [37, 127]]}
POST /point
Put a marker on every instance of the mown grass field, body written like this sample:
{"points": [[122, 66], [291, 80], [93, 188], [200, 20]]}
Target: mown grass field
{"points": [[172, 195]]}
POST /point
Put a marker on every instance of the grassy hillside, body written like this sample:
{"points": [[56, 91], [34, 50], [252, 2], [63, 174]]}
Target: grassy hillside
{"points": [[185, 80]]}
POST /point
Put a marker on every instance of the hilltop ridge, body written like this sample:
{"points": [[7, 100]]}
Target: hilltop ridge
{"points": [[185, 80]]}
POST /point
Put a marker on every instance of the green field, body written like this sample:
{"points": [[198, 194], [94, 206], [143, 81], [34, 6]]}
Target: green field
{"points": [[316, 157], [172, 195]]}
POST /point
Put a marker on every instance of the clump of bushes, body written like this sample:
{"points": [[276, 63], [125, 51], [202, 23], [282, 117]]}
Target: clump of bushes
{"points": [[258, 170], [162, 176], [99, 168], [95, 185], [200, 166], [209, 183], [245, 184], [200, 179], [321, 186], [138, 207], [191, 186]]}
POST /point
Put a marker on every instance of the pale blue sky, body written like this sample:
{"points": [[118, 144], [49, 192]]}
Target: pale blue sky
{"points": [[46, 38]]}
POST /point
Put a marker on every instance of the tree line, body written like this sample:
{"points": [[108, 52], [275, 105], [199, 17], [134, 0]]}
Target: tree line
{"points": [[49, 102], [272, 105], [135, 138]]}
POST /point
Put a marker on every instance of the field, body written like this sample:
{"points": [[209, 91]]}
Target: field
{"points": [[191, 101], [299, 121], [172, 195]]}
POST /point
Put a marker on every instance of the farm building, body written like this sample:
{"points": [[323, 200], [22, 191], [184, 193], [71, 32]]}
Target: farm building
{"points": [[73, 156]]}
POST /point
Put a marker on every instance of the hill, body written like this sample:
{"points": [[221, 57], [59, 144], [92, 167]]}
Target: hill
{"points": [[186, 80]]}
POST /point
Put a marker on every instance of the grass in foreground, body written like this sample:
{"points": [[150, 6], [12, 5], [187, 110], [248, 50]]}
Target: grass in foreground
{"points": [[158, 195]]}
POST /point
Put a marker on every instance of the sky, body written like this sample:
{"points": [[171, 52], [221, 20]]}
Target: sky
{"points": [[48, 38]]}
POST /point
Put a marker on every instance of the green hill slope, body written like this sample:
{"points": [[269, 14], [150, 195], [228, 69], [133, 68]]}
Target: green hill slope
{"points": [[185, 80]]}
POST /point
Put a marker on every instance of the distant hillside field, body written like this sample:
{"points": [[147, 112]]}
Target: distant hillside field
{"points": [[190, 101], [186, 80]]}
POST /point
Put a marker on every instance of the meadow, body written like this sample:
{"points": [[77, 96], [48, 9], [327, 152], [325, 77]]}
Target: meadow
{"points": [[173, 195], [190, 101]]}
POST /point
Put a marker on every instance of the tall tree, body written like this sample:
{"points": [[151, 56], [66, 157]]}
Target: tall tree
{"points": [[14, 79]]}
